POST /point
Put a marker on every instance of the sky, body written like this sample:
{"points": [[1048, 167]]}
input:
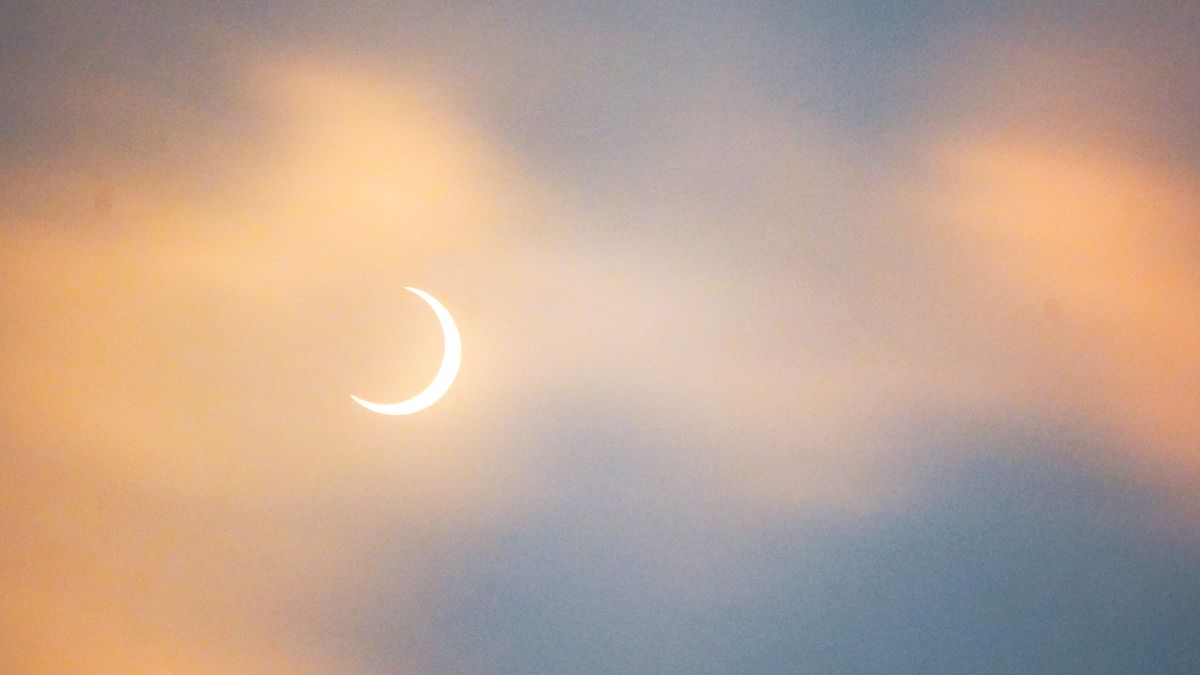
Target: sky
{"points": [[832, 337]]}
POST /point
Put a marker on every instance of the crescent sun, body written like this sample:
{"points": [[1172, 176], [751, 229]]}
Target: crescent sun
{"points": [[451, 360]]}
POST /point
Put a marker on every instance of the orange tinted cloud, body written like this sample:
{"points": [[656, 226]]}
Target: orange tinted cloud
{"points": [[1111, 241], [185, 475]]}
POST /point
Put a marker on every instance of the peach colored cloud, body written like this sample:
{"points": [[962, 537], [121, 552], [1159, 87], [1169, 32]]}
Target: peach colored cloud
{"points": [[184, 476], [1109, 241]]}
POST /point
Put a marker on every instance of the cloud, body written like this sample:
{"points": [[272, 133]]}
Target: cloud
{"points": [[706, 315], [176, 417], [1068, 191]]}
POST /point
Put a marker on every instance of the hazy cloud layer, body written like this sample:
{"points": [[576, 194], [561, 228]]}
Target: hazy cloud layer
{"points": [[816, 339]]}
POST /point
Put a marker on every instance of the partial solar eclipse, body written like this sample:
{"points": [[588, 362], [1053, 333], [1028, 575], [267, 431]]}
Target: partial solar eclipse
{"points": [[451, 359]]}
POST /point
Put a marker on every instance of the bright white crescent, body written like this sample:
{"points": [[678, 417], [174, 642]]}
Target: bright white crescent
{"points": [[451, 360]]}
